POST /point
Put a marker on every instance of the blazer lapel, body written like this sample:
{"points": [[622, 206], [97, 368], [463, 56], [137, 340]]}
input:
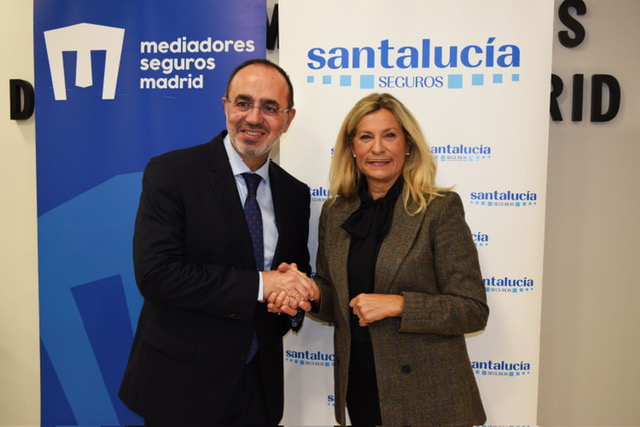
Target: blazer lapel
{"points": [[396, 246], [340, 252]]}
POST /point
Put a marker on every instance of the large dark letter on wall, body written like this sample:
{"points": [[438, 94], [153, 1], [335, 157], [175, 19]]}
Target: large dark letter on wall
{"points": [[273, 29], [21, 107], [556, 90], [597, 84], [568, 20]]}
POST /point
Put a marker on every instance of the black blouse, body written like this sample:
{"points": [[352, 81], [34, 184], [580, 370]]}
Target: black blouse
{"points": [[368, 226]]}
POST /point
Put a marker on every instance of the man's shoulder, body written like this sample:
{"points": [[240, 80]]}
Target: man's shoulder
{"points": [[192, 153], [279, 173]]}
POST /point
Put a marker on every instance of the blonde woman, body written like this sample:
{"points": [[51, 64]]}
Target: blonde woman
{"points": [[399, 277]]}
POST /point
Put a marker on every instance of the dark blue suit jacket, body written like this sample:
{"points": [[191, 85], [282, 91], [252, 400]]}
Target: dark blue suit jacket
{"points": [[194, 265]]}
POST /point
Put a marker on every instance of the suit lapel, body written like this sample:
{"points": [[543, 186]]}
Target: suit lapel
{"points": [[280, 210], [224, 190]]}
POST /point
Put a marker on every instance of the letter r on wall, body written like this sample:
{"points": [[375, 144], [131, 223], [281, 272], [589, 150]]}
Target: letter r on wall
{"points": [[84, 38]]}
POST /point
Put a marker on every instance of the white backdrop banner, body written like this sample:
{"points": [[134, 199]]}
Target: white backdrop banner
{"points": [[476, 75]]}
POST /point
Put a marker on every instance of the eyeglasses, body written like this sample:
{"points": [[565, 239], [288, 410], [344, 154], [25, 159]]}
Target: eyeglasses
{"points": [[245, 106]]}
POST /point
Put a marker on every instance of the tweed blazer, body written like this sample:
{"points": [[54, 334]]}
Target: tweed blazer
{"points": [[423, 369]]}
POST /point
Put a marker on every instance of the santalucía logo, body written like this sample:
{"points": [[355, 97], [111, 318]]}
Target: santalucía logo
{"points": [[504, 195], [461, 152], [501, 368], [508, 284], [306, 357], [310, 355], [319, 194], [461, 149], [424, 54], [504, 198], [480, 239]]}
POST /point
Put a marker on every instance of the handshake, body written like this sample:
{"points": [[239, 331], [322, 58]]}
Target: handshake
{"points": [[287, 289]]}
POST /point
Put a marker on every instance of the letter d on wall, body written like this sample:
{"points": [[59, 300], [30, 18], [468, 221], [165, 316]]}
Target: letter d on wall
{"points": [[21, 106]]}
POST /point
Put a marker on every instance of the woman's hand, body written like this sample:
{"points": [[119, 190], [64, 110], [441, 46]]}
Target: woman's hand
{"points": [[284, 302], [372, 307]]}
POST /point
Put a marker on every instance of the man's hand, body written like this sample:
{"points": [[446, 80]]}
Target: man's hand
{"points": [[289, 298]]}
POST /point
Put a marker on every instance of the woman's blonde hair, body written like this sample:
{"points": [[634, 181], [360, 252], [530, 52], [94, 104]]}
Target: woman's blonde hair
{"points": [[418, 171]]}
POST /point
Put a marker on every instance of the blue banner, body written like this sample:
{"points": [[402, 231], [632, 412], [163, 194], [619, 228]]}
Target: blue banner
{"points": [[116, 83]]}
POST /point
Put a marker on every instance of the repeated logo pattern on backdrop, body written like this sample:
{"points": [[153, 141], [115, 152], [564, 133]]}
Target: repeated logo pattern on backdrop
{"points": [[476, 75], [116, 83]]}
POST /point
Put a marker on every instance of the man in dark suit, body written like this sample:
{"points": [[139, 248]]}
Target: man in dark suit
{"points": [[193, 360]]}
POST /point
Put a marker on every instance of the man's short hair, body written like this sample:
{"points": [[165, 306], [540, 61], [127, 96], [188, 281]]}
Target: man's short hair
{"points": [[266, 63]]}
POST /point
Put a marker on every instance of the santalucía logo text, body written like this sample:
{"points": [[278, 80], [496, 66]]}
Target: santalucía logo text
{"points": [[508, 284], [480, 239], [461, 152], [501, 368], [504, 198], [423, 54], [319, 194], [424, 64], [306, 357]]}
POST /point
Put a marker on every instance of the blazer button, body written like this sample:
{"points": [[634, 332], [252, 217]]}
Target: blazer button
{"points": [[406, 369]]}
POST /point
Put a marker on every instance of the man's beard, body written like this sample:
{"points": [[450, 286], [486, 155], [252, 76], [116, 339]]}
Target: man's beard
{"points": [[248, 149]]}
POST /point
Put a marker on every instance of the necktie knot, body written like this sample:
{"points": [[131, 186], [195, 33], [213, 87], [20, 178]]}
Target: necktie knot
{"points": [[253, 181]]}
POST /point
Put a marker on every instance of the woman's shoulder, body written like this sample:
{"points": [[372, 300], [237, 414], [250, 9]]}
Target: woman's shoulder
{"points": [[336, 205], [449, 196], [445, 201], [340, 202]]}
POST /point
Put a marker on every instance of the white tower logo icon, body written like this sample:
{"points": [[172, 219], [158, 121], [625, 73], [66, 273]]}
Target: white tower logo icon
{"points": [[84, 38]]}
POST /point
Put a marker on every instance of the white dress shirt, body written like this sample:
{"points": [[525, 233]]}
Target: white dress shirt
{"points": [[265, 201]]}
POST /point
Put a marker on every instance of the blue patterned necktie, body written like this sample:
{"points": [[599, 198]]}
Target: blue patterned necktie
{"points": [[254, 222], [254, 218]]}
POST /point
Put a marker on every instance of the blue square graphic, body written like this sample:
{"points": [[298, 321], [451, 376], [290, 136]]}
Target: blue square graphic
{"points": [[367, 81], [477, 80], [497, 78], [455, 81], [345, 80], [326, 80], [311, 79], [515, 77]]}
